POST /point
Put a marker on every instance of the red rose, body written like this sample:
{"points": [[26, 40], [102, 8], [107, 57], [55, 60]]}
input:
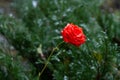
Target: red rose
{"points": [[73, 34]]}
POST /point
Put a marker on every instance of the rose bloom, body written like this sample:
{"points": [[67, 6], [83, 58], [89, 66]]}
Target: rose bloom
{"points": [[73, 34]]}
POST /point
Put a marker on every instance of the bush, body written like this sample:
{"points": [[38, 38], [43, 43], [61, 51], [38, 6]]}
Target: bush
{"points": [[38, 25]]}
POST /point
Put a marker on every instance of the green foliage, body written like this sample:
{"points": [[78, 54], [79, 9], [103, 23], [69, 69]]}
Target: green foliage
{"points": [[11, 68], [98, 58]]}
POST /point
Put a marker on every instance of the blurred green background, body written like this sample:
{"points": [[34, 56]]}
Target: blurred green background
{"points": [[29, 25]]}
